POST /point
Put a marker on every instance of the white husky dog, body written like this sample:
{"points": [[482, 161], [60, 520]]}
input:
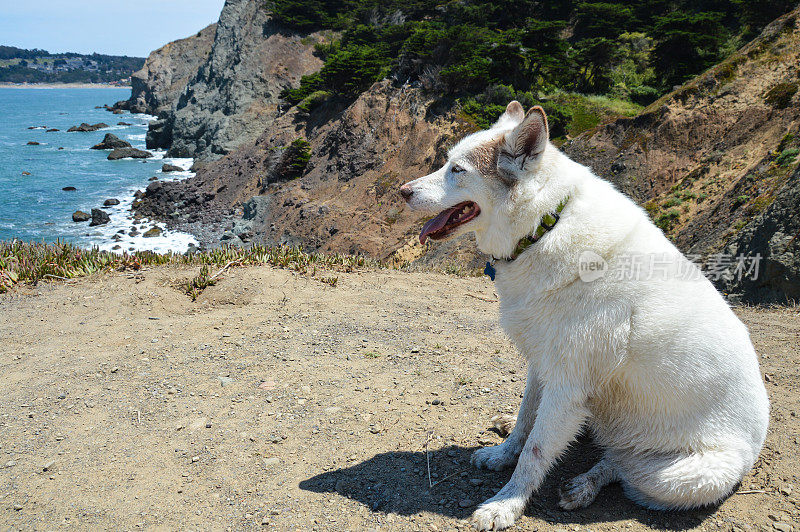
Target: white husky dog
{"points": [[620, 331]]}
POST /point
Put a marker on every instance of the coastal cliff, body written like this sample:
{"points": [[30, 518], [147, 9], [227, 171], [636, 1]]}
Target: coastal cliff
{"points": [[234, 94], [162, 79]]}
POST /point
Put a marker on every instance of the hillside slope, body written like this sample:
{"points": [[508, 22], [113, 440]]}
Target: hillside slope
{"points": [[709, 158], [344, 201]]}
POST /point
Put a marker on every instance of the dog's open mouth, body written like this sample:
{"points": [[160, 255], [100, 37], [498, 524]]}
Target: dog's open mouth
{"points": [[448, 220]]}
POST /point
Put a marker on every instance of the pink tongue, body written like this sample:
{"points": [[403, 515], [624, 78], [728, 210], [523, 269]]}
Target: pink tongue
{"points": [[435, 224]]}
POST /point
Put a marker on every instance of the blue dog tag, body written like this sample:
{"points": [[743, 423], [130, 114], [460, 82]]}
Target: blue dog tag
{"points": [[489, 270]]}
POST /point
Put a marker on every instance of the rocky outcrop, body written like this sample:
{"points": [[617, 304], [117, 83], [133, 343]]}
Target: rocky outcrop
{"points": [[235, 94], [153, 232], [166, 168], [166, 72], [99, 217], [80, 216], [110, 142], [84, 127], [709, 158], [125, 153], [774, 238]]}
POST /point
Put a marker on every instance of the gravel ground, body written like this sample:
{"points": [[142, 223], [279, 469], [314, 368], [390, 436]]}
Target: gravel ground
{"points": [[277, 402]]}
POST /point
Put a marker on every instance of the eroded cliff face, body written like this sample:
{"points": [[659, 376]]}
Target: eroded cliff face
{"points": [[234, 95], [708, 159], [166, 72]]}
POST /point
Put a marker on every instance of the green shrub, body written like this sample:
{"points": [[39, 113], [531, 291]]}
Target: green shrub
{"points": [[740, 200], [786, 141], [787, 157], [631, 51], [295, 159], [195, 286], [313, 100], [668, 220]]}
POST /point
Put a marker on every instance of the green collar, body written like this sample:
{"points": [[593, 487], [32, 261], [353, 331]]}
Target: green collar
{"points": [[547, 223]]}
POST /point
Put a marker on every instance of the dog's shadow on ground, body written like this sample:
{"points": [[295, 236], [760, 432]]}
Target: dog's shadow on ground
{"points": [[398, 482]]}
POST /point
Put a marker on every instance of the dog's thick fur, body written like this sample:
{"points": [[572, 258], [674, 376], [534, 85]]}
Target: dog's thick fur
{"points": [[658, 366]]}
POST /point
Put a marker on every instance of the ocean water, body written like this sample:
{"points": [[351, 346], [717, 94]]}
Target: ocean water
{"points": [[35, 208]]}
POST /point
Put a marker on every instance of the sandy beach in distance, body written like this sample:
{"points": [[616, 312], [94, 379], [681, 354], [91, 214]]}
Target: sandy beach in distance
{"points": [[5, 85]]}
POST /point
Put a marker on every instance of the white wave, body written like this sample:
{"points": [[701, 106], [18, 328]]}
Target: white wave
{"points": [[142, 116], [122, 222]]}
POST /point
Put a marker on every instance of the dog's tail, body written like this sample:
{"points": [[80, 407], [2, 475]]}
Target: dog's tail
{"points": [[503, 424]]}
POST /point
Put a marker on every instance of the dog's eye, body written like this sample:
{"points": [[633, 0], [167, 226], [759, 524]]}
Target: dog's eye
{"points": [[456, 169]]}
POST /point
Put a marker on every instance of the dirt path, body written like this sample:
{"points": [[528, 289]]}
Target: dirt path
{"points": [[276, 402]]}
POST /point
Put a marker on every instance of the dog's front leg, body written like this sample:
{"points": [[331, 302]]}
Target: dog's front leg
{"points": [[505, 455], [561, 413]]}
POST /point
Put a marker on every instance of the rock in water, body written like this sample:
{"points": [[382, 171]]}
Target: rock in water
{"points": [[33, 143], [84, 127], [111, 201], [99, 217], [69, 189], [123, 153], [110, 142], [153, 232], [80, 216], [171, 168]]}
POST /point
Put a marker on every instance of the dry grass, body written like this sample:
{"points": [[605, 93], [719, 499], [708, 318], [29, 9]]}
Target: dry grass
{"points": [[24, 262]]}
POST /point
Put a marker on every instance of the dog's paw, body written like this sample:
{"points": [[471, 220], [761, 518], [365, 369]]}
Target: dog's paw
{"points": [[497, 514], [495, 458], [579, 492]]}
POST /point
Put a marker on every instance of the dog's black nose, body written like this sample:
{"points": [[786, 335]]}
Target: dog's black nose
{"points": [[406, 191]]}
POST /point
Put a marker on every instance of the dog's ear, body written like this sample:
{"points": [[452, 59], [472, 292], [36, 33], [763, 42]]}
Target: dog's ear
{"points": [[512, 117], [524, 144]]}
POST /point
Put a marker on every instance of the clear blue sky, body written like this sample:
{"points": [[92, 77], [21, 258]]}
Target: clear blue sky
{"points": [[127, 27]]}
